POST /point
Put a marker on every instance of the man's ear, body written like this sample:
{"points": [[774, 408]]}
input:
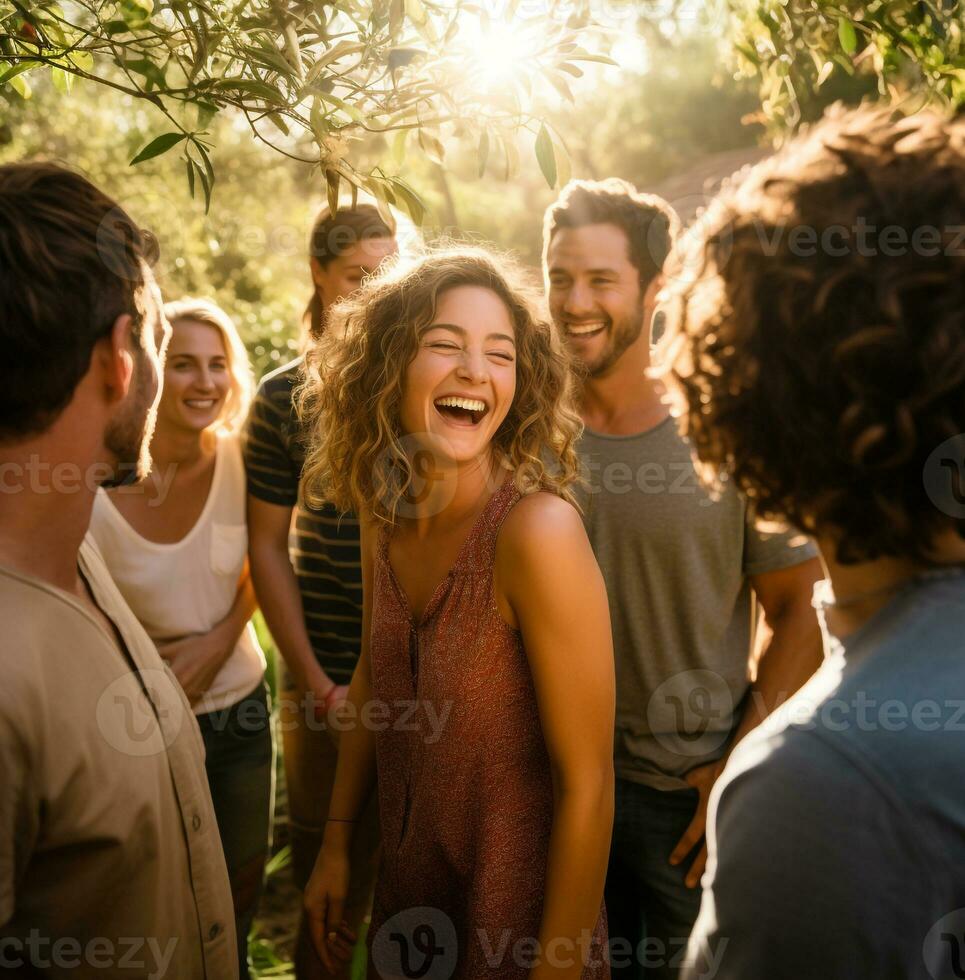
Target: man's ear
{"points": [[115, 358], [653, 288], [655, 317]]}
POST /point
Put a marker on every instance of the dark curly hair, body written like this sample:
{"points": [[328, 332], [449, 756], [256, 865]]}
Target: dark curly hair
{"points": [[648, 221], [817, 341]]}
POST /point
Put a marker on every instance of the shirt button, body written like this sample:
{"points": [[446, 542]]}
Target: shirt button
{"points": [[214, 931], [196, 821]]}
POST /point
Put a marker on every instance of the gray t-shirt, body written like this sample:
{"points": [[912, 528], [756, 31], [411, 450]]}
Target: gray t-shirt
{"points": [[676, 564], [836, 835]]}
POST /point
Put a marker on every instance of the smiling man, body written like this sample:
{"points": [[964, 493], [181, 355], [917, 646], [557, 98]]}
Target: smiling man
{"points": [[685, 574]]}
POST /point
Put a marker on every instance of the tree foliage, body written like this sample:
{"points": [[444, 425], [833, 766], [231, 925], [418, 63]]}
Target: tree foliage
{"points": [[309, 77], [806, 53]]}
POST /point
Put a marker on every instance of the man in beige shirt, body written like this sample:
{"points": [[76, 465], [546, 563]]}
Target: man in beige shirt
{"points": [[110, 860]]}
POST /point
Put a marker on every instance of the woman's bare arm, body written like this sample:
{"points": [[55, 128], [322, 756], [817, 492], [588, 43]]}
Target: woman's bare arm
{"points": [[546, 573]]}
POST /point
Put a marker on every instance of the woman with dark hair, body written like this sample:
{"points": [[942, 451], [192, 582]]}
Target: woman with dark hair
{"points": [[440, 405], [311, 595]]}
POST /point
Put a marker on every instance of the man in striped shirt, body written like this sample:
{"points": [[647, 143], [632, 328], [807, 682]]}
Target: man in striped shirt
{"points": [[307, 572]]}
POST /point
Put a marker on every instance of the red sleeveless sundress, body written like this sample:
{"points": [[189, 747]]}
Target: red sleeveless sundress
{"points": [[465, 791]]}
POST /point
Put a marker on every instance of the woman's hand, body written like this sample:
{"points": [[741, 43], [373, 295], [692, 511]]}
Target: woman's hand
{"points": [[196, 660], [325, 897]]}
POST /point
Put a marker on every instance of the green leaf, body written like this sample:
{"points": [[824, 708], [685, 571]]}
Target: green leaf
{"points": [[190, 166], [600, 59], [416, 12], [208, 168], [570, 69], [272, 58], [432, 147], [561, 86], [136, 13], [354, 114], [158, 146], [250, 85], [332, 181], [278, 121], [62, 80], [334, 53], [847, 36], [396, 16], [19, 69], [410, 200], [83, 60], [206, 112], [22, 87], [546, 156], [205, 185]]}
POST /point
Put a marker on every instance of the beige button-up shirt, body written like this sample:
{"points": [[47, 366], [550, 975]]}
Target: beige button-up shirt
{"points": [[110, 860]]}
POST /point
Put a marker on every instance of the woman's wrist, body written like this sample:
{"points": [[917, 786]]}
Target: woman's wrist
{"points": [[338, 836]]}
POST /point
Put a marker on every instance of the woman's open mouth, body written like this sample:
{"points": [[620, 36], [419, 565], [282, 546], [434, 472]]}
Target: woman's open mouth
{"points": [[457, 410]]}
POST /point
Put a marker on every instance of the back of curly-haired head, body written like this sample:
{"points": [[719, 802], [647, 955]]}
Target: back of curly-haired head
{"points": [[818, 333], [350, 402]]}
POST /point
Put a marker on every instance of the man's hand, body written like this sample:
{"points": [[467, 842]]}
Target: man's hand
{"points": [[702, 779], [196, 660]]}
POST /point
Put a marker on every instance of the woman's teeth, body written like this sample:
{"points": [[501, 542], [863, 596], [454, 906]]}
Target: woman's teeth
{"points": [[200, 402], [468, 404]]}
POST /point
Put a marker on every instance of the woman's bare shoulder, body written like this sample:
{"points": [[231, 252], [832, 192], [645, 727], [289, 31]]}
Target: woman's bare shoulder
{"points": [[540, 521]]}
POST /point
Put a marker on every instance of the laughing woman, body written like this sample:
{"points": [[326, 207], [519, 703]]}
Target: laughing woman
{"points": [[485, 692], [176, 546]]}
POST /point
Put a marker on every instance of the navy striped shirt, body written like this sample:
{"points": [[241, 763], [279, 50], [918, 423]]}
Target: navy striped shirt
{"points": [[324, 545]]}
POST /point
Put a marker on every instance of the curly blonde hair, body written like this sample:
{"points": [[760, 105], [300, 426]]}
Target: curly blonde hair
{"points": [[817, 370], [355, 374]]}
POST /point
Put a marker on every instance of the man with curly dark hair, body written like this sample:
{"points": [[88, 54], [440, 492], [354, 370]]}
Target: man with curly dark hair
{"points": [[686, 575], [818, 346]]}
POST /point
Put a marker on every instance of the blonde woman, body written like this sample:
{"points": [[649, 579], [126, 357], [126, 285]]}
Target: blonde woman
{"points": [[176, 547], [484, 694]]}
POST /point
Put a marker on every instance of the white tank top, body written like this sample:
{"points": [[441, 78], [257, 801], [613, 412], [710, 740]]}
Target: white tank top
{"points": [[187, 587]]}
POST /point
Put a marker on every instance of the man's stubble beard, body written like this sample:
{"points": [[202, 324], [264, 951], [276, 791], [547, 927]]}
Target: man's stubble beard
{"points": [[620, 340], [128, 437]]}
